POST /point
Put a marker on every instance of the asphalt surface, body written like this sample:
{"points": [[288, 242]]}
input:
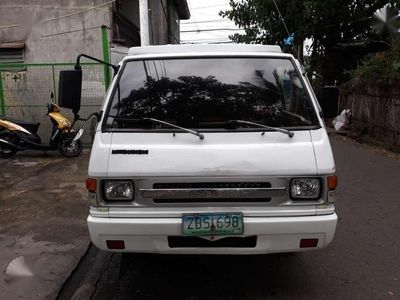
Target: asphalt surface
{"points": [[43, 211], [363, 261]]}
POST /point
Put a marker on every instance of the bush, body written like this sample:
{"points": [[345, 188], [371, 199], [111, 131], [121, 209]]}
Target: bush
{"points": [[381, 68]]}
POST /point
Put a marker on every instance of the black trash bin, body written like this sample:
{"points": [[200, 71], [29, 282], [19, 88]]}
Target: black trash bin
{"points": [[328, 98]]}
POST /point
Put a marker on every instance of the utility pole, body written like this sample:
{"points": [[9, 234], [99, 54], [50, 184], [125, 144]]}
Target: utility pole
{"points": [[144, 22]]}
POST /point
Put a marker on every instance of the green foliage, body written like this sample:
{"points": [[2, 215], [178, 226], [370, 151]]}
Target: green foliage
{"points": [[327, 22], [382, 68], [330, 24]]}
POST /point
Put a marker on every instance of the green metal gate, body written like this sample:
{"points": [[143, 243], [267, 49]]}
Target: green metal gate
{"points": [[26, 88]]}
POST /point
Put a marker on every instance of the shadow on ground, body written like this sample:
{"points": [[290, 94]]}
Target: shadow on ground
{"points": [[209, 277]]}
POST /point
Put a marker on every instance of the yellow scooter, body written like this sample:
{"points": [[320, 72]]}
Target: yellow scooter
{"points": [[16, 135]]}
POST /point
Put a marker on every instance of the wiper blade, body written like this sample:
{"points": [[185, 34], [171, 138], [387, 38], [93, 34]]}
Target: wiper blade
{"points": [[285, 131], [201, 136]]}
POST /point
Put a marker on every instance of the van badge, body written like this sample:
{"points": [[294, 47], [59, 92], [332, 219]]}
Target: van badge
{"points": [[127, 151]]}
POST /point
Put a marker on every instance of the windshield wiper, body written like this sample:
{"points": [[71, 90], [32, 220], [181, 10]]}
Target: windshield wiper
{"points": [[201, 136], [285, 131]]}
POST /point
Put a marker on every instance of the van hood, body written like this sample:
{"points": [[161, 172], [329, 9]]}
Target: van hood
{"points": [[141, 155]]}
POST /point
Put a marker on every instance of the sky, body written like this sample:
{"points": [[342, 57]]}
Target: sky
{"points": [[204, 16]]}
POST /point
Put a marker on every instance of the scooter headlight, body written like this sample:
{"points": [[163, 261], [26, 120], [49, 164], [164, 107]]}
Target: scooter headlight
{"points": [[118, 190]]}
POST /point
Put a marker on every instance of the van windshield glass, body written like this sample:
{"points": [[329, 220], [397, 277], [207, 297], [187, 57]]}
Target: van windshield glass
{"points": [[206, 93]]}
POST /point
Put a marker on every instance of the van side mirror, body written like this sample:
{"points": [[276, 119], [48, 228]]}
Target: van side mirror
{"points": [[70, 89]]}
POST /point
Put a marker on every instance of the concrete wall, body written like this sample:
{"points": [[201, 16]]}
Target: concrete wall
{"points": [[26, 91], [52, 41], [118, 53]]}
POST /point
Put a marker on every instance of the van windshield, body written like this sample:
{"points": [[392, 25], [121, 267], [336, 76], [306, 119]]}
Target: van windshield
{"points": [[207, 93]]}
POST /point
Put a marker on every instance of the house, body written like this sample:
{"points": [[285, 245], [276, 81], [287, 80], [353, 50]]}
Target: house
{"points": [[58, 30]]}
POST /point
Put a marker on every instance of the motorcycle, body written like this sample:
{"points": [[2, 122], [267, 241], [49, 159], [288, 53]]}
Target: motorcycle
{"points": [[17, 135]]}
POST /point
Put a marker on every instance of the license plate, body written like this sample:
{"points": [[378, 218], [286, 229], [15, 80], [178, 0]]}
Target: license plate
{"points": [[212, 224]]}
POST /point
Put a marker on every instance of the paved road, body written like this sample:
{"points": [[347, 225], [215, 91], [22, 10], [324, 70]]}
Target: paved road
{"points": [[43, 210], [363, 262]]}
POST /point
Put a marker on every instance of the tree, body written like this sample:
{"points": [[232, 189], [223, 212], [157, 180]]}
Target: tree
{"points": [[328, 23], [190, 100]]}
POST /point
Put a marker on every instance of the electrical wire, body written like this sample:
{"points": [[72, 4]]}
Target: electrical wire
{"points": [[213, 29], [65, 16], [208, 6], [207, 21], [287, 30], [194, 18], [209, 42], [65, 32], [205, 40], [79, 12]]}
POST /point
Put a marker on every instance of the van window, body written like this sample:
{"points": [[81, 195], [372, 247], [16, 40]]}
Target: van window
{"points": [[205, 93]]}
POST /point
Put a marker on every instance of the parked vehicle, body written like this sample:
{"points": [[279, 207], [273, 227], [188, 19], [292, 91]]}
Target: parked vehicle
{"points": [[210, 149], [17, 135]]}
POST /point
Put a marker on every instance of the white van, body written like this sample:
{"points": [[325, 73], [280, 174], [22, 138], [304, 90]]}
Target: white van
{"points": [[211, 149]]}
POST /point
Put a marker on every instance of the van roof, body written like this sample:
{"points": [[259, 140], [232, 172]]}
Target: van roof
{"points": [[204, 48]]}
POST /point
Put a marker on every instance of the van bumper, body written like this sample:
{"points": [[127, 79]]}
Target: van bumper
{"points": [[151, 235]]}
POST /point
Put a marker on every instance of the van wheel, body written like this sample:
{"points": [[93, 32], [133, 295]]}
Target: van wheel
{"points": [[71, 150], [6, 152]]}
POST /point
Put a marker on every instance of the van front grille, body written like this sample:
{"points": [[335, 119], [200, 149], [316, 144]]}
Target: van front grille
{"points": [[203, 188], [211, 200], [212, 185]]}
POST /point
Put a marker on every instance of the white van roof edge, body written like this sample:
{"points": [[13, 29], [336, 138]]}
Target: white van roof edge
{"points": [[203, 48]]}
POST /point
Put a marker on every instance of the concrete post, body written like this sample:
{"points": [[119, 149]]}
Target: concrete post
{"points": [[106, 56], [2, 102], [144, 22]]}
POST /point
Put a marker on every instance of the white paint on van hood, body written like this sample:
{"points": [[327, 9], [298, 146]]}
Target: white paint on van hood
{"points": [[219, 154]]}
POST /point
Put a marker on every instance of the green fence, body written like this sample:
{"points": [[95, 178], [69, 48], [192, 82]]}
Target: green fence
{"points": [[26, 88]]}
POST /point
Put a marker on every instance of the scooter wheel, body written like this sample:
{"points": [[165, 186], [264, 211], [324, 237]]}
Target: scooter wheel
{"points": [[71, 150], [4, 151]]}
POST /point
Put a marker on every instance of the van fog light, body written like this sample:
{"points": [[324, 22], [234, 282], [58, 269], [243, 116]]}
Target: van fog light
{"points": [[305, 188], [118, 190]]}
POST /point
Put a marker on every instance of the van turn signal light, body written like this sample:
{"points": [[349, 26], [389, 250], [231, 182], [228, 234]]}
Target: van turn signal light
{"points": [[332, 182], [91, 185]]}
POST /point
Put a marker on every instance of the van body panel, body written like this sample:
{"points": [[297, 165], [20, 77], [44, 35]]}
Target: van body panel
{"points": [[147, 157], [100, 155], [323, 152], [219, 154]]}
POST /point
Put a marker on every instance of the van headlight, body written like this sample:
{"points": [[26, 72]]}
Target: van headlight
{"points": [[121, 190], [305, 188]]}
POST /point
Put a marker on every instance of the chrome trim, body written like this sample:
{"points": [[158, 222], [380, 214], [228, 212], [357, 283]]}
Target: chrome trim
{"points": [[55, 134], [204, 193], [78, 135], [4, 141]]}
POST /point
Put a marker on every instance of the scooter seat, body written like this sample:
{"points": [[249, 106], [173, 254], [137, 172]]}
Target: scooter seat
{"points": [[30, 126]]}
